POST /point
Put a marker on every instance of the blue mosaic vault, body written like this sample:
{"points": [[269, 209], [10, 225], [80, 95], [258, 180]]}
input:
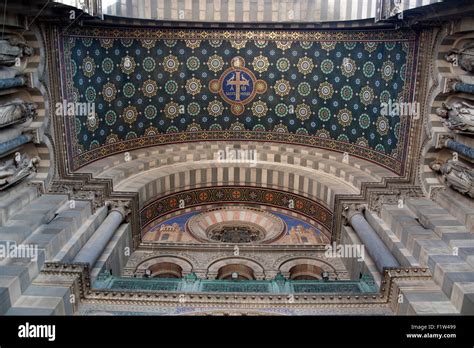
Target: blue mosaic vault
{"points": [[321, 89]]}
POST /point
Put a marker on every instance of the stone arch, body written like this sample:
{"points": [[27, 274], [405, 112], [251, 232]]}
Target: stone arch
{"points": [[214, 267], [286, 266], [185, 265]]}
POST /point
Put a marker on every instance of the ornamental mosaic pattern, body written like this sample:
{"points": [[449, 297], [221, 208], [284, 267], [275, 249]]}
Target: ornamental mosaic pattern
{"points": [[321, 89]]}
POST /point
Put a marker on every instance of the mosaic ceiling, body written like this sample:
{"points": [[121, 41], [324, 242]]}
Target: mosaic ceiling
{"points": [[322, 89]]}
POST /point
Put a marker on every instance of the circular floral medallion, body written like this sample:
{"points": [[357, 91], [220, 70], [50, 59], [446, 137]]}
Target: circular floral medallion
{"points": [[90, 94], [343, 138], [193, 108], [170, 63], [323, 133], [112, 138], [368, 69], [382, 125], [302, 131], [259, 128], [193, 127], [283, 45], [306, 44], [128, 65], [364, 121], [325, 90], [344, 117], [237, 126], [328, 45], [215, 63], [126, 42], [171, 110], [106, 43], [148, 43], [130, 135], [193, 86], [88, 66], [282, 87], [87, 41], [303, 112], [361, 141], [215, 43], [261, 43], [170, 43], [74, 68], [280, 128], [130, 114], [78, 125], [260, 64], [171, 87], [346, 93], [390, 45], [304, 89], [107, 65], [193, 43], [94, 145], [283, 64], [92, 122], [149, 64], [366, 95], [109, 92], [172, 129], [149, 88], [259, 109], [324, 114], [238, 44], [128, 90], [305, 65], [215, 108], [403, 71], [388, 70], [193, 63], [396, 130], [215, 127], [150, 112], [350, 45], [380, 148], [151, 131], [370, 46], [384, 96], [348, 67], [327, 66], [281, 110]]}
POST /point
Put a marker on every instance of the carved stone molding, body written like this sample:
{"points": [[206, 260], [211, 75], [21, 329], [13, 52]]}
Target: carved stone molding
{"points": [[393, 197], [78, 191]]}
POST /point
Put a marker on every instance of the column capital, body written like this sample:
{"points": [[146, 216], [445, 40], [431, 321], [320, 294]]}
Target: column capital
{"points": [[349, 210], [441, 140], [122, 207]]}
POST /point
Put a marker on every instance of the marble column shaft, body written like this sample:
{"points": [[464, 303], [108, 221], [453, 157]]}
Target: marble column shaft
{"points": [[376, 248], [460, 148], [96, 244], [463, 87], [12, 82]]}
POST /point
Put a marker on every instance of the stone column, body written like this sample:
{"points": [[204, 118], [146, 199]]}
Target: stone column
{"points": [[464, 150], [12, 82], [96, 244], [376, 248], [453, 85]]}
